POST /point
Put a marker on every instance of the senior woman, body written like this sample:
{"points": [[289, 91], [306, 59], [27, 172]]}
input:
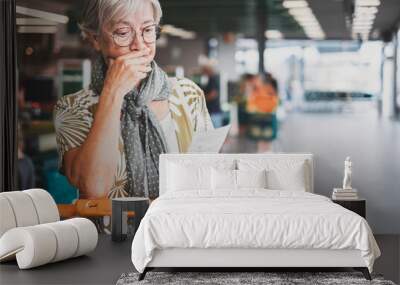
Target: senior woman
{"points": [[110, 135]]}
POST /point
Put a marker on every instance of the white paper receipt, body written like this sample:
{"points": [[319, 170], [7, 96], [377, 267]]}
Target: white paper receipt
{"points": [[210, 141]]}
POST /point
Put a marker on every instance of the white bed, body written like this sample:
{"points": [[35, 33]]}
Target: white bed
{"points": [[248, 226]]}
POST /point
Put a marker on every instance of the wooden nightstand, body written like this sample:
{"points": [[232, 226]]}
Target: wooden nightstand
{"points": [[358, 206]]}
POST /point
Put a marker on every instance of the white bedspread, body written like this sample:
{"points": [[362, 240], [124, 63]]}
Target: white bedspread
{"points": [[252, 218]]}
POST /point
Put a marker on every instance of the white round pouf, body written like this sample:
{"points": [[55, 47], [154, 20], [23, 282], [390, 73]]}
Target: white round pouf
{"points": [[46, 208], [67, 240], [7, 216], [87, 234], [33, 246], [30, 230], [23, 208]]}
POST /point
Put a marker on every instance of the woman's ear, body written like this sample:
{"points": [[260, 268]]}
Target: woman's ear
{"points": [[95, 41]]}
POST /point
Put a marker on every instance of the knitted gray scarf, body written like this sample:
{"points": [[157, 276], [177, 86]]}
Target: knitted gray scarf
{"points": [[141, 132]]}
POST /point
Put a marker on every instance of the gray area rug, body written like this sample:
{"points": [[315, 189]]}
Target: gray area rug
{"points": [[269, 278]]}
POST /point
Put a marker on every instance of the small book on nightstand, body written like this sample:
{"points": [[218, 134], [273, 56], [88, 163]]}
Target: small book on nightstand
{"points": [[344, 194]]}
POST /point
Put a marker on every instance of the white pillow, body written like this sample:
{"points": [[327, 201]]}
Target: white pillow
{"points": [[223, 179], [182, 177], [282, 174], [290, 179], [251, 178]]}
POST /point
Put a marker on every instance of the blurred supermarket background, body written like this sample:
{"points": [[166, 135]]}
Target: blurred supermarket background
{"points": [[319, 76]]}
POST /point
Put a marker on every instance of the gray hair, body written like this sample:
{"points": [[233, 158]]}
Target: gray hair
{"points": [[97, 13]]}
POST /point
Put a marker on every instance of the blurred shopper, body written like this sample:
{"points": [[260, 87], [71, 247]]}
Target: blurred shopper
{"points": [[263, 97], [211, 92], [246, 86], [110, 136], [261, 106], [270, 79], [245, 90], [26, 170]]}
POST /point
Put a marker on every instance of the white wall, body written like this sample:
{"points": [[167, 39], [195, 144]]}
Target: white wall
{"points": [[226, 60]]}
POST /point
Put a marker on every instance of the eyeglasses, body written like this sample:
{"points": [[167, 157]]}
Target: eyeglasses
{"points": [[124, 37]]}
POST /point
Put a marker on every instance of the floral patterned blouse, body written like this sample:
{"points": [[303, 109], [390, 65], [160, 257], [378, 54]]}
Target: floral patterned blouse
{"points": [[74, 113]]}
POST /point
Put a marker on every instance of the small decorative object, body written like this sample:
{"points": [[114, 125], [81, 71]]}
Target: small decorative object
{"points": [[347, 192], [347, 174]]}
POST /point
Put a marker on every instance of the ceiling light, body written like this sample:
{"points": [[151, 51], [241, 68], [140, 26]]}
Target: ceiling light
{"points": [[178, 32], [309, 17], [310, 22], [301, 11], [317, 26], [318, 37], [364, 16], [312, 27], [188, 36], [273, 34], [307, 23], [42, 14], [368, 2], [366, 10], [37, 29], [358, 20], [34, 22], [294, 4], [306, 20], [362, 28], [314, 32], [362, 23], [305, 17], [363, 20]]}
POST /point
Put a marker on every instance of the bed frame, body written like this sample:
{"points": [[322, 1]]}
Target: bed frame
{"points": [[249, 259], [246, 259]]}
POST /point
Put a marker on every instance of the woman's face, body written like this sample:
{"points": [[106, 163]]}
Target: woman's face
{"points": [[143, 17]]}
